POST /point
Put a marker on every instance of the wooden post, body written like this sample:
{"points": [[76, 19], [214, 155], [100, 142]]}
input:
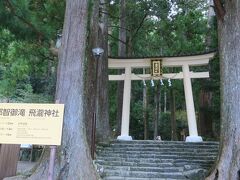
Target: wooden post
{"points": [[52, 156], [53, 150], [8, 160]]}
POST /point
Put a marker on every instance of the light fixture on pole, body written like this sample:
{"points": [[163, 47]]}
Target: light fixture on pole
{"points": [[97, 53]]}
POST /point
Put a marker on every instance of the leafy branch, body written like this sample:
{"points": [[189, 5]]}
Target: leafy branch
{"points": [[29, 24]]}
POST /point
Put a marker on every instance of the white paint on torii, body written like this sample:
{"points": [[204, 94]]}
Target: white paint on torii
{"points": [[186, 75]]}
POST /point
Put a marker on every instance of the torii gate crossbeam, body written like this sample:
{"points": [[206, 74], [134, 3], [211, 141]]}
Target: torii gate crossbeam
{"points": [[185, 62]]}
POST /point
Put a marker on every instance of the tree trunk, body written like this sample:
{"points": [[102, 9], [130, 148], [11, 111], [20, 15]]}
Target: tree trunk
{"points": [[103, 128], [228, 166], [97, 38], [73, 159], [122, 53], [145, 120], [205, 117], [211, 14], [130, 46], [90, 82], [122, 30], [157, 111], [165, 101], [173, 116]]}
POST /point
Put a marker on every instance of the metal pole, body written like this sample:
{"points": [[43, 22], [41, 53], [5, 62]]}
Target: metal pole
{"points": [[95, 112], [51, 162], [93, 135]]}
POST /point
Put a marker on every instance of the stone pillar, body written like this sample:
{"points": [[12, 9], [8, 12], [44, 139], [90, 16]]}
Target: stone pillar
{"points": [[126, 106], [192, 124]]}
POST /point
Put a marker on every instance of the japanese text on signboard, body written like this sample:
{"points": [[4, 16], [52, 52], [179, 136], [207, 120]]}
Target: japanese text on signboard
{"points": [[31, 123]]}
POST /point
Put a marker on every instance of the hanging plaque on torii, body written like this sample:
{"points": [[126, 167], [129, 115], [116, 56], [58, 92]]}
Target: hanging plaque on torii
{"points": [[156, 67]]}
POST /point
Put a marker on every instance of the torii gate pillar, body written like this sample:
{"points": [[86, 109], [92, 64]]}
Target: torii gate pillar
{"points": [[192, 123], [126, 106]]}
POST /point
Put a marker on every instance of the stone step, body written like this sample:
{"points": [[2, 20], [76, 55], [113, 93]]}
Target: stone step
{"points": [[157, 152], [163, 148], [145, 169], [181, 163], [134, 178], [155, 160], [125, 157], [139, 153], [137, 159], [163, 142], [138, 174], [154, 146], [131, 161]]}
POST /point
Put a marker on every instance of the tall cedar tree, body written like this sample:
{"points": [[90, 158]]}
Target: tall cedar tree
{"points": [[228, 166], [73, 156]]}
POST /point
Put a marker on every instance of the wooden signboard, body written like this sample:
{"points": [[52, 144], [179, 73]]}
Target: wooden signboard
{"points": [[31, 123], [27, 124]]}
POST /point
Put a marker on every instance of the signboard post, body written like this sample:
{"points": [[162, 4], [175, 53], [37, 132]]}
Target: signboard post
{"points": [[53, 150], [32, 124]]}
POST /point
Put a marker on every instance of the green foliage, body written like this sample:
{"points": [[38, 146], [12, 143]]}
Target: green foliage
{"points": [[14, 64], [112, 104], [32, 19], [27, 31], [136, 123], [162, 28], [19, 64]]}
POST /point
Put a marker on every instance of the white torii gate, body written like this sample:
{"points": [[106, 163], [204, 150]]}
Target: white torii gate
{"points": [[186, 75]]}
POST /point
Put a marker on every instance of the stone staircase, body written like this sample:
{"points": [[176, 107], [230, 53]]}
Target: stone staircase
{"points": [[155, 160]]}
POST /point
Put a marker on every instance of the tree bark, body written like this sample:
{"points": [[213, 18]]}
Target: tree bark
{"points": [[73, 159], [103, 128], [96, 89], [157, 111], [205, 117], [165, 102], [122, 30], [90, 81], [173, 116], [228, 165], [145, 120]]}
